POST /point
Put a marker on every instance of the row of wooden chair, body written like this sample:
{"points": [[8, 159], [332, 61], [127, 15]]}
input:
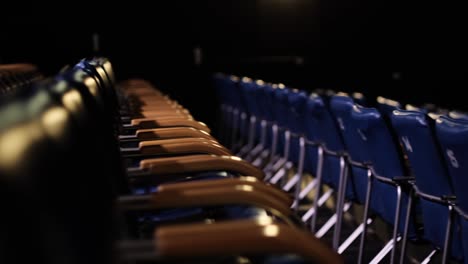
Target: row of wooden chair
{"points": [[95, 171], [17, 76]]}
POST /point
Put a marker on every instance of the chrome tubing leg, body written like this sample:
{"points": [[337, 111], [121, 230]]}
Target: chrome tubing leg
{"points": [[405, 231], [448, 236], [300, 170], [340, 203], [256, 151], [272, 159], [396, 224], [318, 176], [362, 243]]}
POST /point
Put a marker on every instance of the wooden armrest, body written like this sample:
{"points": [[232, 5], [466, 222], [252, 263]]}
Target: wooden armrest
{"points": [[164, 113], [150, 143], [216, 183], [238, 194], [18, 68], [156, 101], [184, 146], [148, 106], [201, 163], [171, 132], [152, 123], [241, 237], [164, 117], [137, 84]]}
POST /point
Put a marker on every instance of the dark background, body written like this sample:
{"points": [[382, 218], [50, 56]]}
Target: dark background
{"points": [[414, 53]]}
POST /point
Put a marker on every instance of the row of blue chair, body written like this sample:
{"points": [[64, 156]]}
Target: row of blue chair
{"points": [[379, 155]]}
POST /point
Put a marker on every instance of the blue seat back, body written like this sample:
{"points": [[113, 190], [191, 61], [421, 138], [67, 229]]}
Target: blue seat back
{"points": [[231, 95], [341, 107], [453, 138], [281, 106], [297, 107], [221, 93], [297, 102], [268, 99], [321, 127], [227, 90], [375, 136], [416, 134], [260, 107], [324, 127], [264, 100], [248, 93]]}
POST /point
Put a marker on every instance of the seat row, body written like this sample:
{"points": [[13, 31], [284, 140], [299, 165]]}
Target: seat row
{"points": [[98, 171], [404, 165], [17, 76]]}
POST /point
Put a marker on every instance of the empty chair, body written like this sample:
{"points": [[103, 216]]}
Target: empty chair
{"points": [[274, 100], [326, 158], [452, 135], [297, 101], [373, 171], [359, 158], [278, 169], [264, 150], [233, 112], [415, 130], [249, 92], [387, 168]]}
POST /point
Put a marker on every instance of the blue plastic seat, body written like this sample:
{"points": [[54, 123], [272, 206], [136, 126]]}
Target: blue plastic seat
{"points": [[387, 166], [264, 117], [267, 103], [229, 97], [296, 104], [415, 131], [370, 146], [280, 103], [322, 127], [274, 98], [281, 111], [297, 101], [375, 136], [453, 138], [252, 94], [341, 106]]}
